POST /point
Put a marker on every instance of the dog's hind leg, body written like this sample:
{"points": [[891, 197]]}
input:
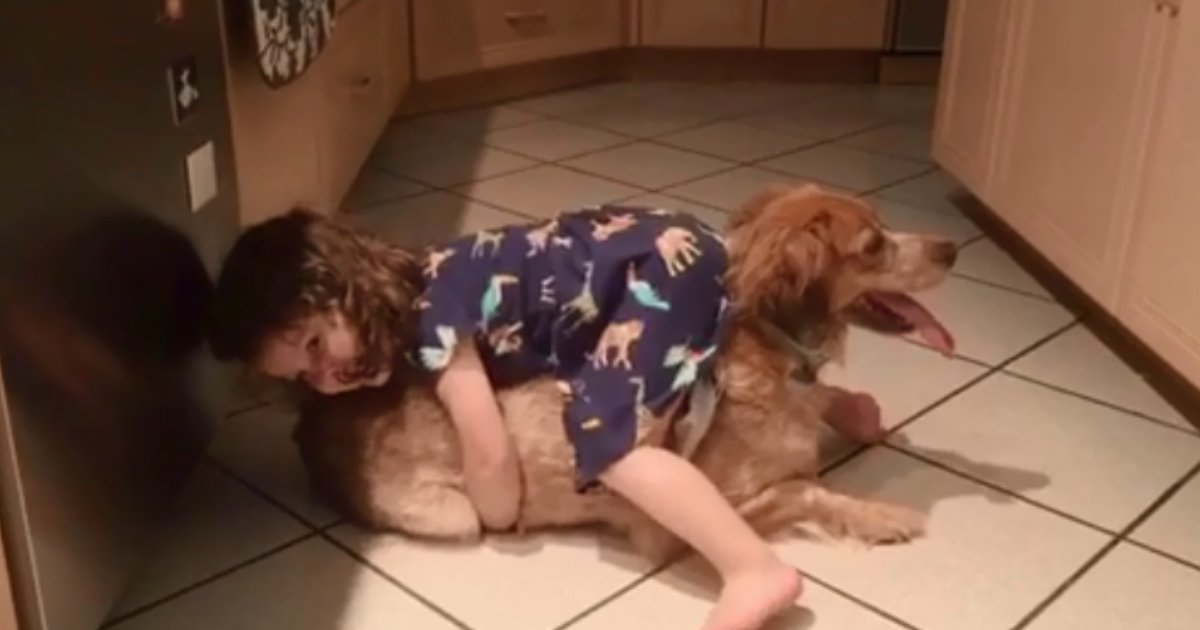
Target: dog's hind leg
{"points": [[798, 501], [425, 510]]}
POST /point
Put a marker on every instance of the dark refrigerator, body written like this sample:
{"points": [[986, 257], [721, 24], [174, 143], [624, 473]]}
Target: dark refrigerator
{"points": [[116, 200]]}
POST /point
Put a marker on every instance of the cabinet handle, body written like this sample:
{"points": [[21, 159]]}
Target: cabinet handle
{"points": [[525, 16]]}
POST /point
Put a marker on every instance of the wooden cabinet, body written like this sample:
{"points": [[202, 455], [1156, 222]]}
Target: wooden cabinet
{"points": [[1088, 145], [459, 36], [358, 96], [969, 88], [702, 23], [304, 143], [1160, 299], [827, 24], [1072, 130]]}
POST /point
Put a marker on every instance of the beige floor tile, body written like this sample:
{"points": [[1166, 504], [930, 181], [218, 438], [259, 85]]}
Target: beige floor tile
{"points": [[553, 139], [1087, 460], [536, 583], [903, 217], [985, 260], [258, 446], [562, 103], [1077, 360], [476, 121], [731, 189], [311, 586], [452, 163], [711, 216], [735, 141], [892, 100], [818, 120], [648, 165], [908, 140], [682, 597], [1172, 528], [406, 136], [992, 325], [643, 119], [1129, 588], [645, 89], [847, 167], [934, 191], [431, 218], [374, 187], [216, 524], [986, 561], [903, 377], [547, 191]]}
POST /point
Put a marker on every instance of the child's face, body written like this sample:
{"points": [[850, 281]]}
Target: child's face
{"points": [[321, 350]]}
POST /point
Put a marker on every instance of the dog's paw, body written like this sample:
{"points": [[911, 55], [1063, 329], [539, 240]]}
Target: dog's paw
{"points": [[885, 524]]}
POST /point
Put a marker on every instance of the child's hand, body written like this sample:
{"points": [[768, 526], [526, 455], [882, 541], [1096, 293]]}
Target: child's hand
{"points": [[490, 465]]}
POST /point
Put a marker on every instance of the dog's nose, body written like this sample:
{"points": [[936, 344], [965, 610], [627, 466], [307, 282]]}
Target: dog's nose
{"points": [[945, 254]]}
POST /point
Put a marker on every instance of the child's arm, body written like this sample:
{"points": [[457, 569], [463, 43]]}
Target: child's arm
{"points": [[489, 459]]}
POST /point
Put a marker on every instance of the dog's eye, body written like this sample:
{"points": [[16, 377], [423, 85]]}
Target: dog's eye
{"points": [[874, 245]]}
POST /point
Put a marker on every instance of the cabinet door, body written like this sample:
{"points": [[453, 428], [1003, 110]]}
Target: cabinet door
{"points": [[826, 24], [702, 23], [358, 98], [976, 46], [1073, 131], [460, 36], [1160, 300]]}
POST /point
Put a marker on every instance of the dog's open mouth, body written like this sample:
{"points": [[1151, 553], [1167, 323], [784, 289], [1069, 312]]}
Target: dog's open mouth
{"points": [[898, 313]]}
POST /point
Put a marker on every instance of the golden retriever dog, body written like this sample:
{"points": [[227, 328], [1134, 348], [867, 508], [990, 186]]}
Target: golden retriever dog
{"points": [[803, 262]]}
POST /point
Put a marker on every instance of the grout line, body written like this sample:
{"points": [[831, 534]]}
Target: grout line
{"points": [[109, 623], [1012, 494], [1067, 584], [862, 603], [388, 577], [615, 595], [248, 408], [1162, 554], [991, 371], [996, 285], [1103, 403], [260, 493], [1121, 537]]}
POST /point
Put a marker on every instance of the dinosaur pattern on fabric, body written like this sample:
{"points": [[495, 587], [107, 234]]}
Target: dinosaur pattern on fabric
{"points": [[625, 306]]}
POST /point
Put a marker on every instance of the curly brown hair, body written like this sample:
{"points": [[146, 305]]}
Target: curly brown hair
{"points": [[300, 264]]}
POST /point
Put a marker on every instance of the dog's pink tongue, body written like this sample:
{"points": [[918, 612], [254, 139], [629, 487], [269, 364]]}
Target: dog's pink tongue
{"points": [[923, 322]]}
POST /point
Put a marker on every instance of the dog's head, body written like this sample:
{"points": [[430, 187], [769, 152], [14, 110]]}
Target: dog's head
{"points": [[800, 255]]}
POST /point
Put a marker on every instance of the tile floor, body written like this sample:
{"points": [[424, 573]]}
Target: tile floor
{"points": [[1063, 491]]}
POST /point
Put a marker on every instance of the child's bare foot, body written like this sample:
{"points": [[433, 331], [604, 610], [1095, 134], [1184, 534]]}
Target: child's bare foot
{"points": [[857, 417], [748, 601]]}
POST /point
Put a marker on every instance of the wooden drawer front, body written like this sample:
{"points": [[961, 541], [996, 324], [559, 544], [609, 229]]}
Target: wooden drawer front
{"points": [[458, 36], [358, 95], [827, 24], [702, 23]]}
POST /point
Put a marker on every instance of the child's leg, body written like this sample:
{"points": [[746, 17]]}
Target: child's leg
{"points": [[757, 584]]}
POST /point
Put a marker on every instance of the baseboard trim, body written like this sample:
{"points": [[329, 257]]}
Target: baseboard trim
{"points": [[922, 69]]}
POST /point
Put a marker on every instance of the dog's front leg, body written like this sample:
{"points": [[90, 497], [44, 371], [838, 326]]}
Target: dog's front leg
{"points": [[798, 501]]}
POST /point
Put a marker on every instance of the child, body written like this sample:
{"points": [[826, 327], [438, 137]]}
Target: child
{"points": [[624, 305]]}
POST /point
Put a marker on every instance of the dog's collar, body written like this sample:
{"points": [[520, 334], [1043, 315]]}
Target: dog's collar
{"points": [[809, 356]]}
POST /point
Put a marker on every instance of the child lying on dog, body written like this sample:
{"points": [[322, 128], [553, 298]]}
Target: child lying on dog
{"points": [[625, 306]]}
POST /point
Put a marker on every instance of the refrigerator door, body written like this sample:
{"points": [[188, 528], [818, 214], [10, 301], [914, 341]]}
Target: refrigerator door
{"points": [[107, 392]]}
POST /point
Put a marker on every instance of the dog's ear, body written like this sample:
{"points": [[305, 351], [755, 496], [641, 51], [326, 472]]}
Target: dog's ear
{"points": [[778, 258]]}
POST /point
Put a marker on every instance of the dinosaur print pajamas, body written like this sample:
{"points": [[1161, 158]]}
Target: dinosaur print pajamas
{"points": [[624, 306]]}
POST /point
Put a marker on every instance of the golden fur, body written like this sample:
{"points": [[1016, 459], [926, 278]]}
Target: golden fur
{"points": [[799, 256]]}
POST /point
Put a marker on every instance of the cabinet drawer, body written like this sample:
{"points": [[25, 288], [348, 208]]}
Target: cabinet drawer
{"points": [[358, 95], [827, 24], [458, 36]]}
